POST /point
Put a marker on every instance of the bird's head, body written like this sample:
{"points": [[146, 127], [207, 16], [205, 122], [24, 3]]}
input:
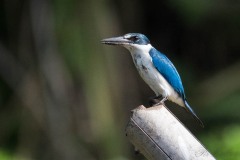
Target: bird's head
{"points": [[130, 41]]}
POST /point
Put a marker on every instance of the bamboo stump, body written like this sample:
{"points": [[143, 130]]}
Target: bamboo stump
{"points": [[158, 135]]}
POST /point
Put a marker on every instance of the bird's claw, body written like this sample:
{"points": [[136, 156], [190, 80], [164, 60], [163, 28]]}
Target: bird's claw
{"points": [[155, 101]]}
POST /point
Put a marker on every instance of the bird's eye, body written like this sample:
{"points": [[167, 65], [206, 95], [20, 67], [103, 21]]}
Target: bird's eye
{"points": [[133, 38]]}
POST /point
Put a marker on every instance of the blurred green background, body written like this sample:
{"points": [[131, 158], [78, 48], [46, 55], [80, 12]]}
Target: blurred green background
{"points": [[65, 96]]}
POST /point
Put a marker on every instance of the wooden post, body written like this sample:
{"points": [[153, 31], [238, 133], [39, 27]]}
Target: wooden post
{"points": [[158, 135]]}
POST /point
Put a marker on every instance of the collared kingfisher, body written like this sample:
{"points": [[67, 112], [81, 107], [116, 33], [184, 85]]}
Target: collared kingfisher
{"points": [[155, 69]]}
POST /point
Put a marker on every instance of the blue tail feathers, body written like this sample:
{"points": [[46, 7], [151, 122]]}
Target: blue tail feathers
{"points": [[189, 109]]}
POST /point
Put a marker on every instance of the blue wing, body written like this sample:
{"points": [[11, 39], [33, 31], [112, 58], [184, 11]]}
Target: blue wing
{"points": [[167, 70]]}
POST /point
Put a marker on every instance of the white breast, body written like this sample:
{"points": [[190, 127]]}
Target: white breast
{"points": [[144, 65]]}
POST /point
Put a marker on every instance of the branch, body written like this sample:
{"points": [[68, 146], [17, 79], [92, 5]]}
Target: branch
{"points": [[158, 135]]}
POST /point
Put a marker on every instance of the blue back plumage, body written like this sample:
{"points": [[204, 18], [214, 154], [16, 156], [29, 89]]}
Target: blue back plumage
{"points": [[167, 70]]}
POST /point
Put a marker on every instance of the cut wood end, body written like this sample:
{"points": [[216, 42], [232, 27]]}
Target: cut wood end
{"points": [[142, 107]]}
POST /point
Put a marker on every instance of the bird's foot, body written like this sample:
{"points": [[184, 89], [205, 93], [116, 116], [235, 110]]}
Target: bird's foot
{"points": [[155, 101]]}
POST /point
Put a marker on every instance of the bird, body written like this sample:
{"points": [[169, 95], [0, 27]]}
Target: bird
{"points": [[155, 69]]}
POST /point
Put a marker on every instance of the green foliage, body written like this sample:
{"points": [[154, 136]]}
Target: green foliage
{"points": [[223, 143], [4, 155]]}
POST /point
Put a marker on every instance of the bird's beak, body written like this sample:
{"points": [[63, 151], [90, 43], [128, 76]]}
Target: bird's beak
{"points": [[115, 41]]}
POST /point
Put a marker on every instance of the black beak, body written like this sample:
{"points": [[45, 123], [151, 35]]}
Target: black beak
{"points": [[115, 41]]}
